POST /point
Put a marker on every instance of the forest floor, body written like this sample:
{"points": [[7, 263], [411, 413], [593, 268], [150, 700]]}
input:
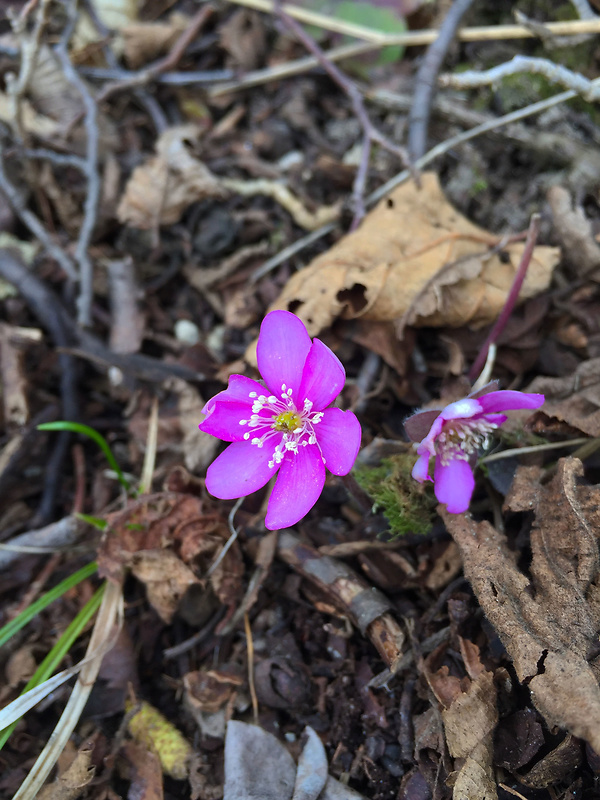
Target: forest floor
{"points": [[168, 175]]}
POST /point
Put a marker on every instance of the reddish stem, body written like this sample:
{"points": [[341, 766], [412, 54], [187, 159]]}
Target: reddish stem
{"points": [[513, 295]]}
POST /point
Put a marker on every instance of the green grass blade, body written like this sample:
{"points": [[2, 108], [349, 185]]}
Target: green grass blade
{"points": [[40, 604], [85, 430], [49, 665]]}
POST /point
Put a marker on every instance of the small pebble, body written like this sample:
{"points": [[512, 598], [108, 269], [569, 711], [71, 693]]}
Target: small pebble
{"points": [[187, 332]]}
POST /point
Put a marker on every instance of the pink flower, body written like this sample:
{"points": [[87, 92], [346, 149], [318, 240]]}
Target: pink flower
{"points": [[455, 434], [285, 428]]}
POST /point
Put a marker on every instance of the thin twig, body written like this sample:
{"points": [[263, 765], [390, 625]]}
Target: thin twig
{"points": [[370, 133], [131, 78], [46, 307], [423, 37], [166, 64], [31, 221], [556, 73], [425, 79], [584, 9], [86, 268], [513, 296], [302, 65], [30, 46], [145, 99], [435, 152], [250, 649]]}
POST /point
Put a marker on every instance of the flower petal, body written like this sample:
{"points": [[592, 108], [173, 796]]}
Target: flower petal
{"points": [[281, 351], [420, 471], [240, 470], [462, 409], [323, 376], [454, 484], [338, 435], [509, 400], [298, 487], [239, 389], [225, 410]]}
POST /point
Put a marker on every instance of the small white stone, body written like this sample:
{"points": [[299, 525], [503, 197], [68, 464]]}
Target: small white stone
{"points": [[115, 376], [187, 332]]}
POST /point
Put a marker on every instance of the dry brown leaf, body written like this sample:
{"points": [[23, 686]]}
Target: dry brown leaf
{"points": [[73, 781], [145, 537], [243, 39], [574, 399], [548, 625], [414, 259], [20, 666], [145, 41], [159, 191], [33, 122], [146, 778], [470, 716], [166, 578]]}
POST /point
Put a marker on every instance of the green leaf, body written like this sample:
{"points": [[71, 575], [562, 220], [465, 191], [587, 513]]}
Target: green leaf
{"points": [[377, 18], [40, 604], [59, 651], [85, 430]]}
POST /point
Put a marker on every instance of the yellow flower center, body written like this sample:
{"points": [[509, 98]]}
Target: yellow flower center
{"points": [[287, 421]]}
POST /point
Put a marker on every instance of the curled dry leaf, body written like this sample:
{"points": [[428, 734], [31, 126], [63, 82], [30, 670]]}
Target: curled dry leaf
{"points": [[470, 716], [163, 539], [549, 624], [146, 772], [72, 782], [574, 399], [160, 190], [145, 41], [417, 261]]}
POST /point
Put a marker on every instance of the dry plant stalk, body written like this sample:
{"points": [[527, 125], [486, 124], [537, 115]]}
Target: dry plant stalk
{"points": [[364, 605]]}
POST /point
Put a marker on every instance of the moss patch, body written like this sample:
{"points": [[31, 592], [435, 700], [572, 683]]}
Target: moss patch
{"points": [[408, 506]]}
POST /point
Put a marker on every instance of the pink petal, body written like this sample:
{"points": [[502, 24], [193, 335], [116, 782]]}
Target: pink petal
{"points": [[418, 426], [454, 484], [239, 389], [338, 435], [282, 349], [240, 470], [223, 420], [420, 471], [462, 409], [225, 410], [298, 487], [323, 376], [510, 400]]}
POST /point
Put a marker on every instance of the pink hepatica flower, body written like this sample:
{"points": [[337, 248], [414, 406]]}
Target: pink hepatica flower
{"points": [[454, 436], [285, 428]]}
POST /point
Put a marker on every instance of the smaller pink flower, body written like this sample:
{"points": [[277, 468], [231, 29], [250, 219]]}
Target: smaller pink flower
{"points": [[453, 437], [285, 427]]}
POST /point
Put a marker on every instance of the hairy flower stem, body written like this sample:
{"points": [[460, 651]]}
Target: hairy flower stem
{"points": [[513, 295]]}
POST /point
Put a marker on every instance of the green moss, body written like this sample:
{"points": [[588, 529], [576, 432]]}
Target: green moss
{"points": [[407, 505]]}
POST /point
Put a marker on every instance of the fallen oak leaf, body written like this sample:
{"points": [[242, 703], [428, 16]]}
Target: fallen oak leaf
{"points": [[415, 259], [548, 625]]}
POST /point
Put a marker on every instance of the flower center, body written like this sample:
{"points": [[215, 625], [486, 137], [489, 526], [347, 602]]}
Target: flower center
{"points": [[278, 420], [287, 421], [460, 438]]}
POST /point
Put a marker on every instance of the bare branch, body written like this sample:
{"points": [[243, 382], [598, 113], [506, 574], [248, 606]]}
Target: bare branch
{"points": [[556, 73], [86, 268]]}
